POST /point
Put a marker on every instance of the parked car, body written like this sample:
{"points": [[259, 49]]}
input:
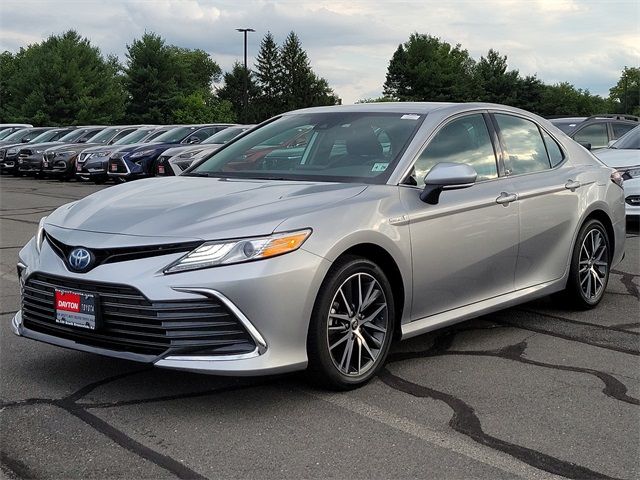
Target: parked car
{"points": [[9, 153], [139, 161], [33, 158], [23, 135], [176, 160], [8, 128], [92, 162], [596, 131], [624, 156], [60, 162], [320, 260]]}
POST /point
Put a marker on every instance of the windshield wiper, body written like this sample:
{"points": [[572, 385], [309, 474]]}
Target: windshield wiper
{"points": [[197, 174]]}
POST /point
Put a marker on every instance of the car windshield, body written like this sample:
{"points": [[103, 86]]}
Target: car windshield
{"points": [[175, 134], [5, 133], [630, 140], [351, 147], [134, 137], [73, 135], [18, 135], [104, 136], [225, 135], [46, 136]]}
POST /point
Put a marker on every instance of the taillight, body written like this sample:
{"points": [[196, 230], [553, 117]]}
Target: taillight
{"points": [[616, 177]]}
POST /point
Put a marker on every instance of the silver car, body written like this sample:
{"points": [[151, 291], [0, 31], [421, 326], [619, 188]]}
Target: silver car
{"points": [[376, 222]]}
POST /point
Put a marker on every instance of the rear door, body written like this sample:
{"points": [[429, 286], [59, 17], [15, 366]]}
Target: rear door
{"points": [[548, 197]]}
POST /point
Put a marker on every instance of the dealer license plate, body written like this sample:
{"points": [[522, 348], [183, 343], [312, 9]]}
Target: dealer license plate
{"points": [[76, 309]]}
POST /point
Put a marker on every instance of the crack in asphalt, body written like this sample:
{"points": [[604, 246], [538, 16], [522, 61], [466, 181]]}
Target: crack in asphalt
{"points": [[466, 422], [627, 280], [70, 405]]}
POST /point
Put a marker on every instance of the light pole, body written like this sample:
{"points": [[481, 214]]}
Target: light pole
{"points": [[245, 93]]}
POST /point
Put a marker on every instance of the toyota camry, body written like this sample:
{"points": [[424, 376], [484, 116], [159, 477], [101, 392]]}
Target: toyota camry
{"points": [[378, 223]]}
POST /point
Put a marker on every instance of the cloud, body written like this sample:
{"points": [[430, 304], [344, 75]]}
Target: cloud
{"points": [[350, 42]]}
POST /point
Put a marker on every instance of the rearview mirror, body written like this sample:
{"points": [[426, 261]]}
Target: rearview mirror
{"points": [[446, 176]]}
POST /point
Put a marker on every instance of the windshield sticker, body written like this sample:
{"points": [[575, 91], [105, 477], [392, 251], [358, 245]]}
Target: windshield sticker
{"points": [[379, 167], [411, 116]]}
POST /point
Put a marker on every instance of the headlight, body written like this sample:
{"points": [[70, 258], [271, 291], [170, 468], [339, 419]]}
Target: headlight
{"points": [[40, 234], [39, 151], [212, 254], [190, 154], [66, 153], [12, 151], [142, 153], [629, 172]]}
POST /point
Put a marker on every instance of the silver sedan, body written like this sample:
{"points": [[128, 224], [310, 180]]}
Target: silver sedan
{"points": [[320, 237]]}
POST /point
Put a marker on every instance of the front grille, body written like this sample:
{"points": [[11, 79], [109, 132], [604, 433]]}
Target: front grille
{"points": [[129, 322], [633, 200], [2, 153], [24, 153], [49, 156]]}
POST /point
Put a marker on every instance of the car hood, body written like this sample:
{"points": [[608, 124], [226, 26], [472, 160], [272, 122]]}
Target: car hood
{"points": [[102, 148], [198, 208], [613, 157], [39, 146], [73, 146], [182, 149]]}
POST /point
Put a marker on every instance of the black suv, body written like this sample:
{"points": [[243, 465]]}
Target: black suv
{"points": [[596, 131]]}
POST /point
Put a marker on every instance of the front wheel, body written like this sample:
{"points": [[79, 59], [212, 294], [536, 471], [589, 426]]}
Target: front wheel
{"points": [[352, 324], [590, 265]]}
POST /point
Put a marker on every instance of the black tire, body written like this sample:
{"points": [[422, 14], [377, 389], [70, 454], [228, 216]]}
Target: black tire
{"points": [[323, 368], [579, 286]]}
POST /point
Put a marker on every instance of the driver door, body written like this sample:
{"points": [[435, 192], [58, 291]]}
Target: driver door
{"points": [[464, 248]]}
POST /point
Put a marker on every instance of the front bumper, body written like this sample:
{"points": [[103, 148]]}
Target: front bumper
{"points": [[93, 167], [30, 164], [632, 197], [272, 298]]}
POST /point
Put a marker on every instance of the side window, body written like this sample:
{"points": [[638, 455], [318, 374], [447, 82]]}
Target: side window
{"points": [[87, 135], [464, 140], [525, 149], [619, 129], [555, 154], [595, 134]]}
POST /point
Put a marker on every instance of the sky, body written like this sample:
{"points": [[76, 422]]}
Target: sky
{"points": [[350, 43]]}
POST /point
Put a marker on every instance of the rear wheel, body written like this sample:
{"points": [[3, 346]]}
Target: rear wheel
{"points": [[590, 265], [352, 324]]}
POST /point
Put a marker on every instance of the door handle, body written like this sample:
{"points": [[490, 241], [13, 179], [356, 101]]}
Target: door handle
{"points": [[572, 185], [506, 198]]}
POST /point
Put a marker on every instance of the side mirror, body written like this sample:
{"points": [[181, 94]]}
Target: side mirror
{"points": [[82, 140], [446, 176], [585, 145], [193, 140]]}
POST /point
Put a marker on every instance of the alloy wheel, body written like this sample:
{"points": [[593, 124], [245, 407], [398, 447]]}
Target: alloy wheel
{"points": [[593, 264], [357, 324]]}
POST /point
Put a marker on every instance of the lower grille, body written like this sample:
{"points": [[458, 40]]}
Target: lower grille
{"points": [[116, 165], [633, 200], [129, 322]]}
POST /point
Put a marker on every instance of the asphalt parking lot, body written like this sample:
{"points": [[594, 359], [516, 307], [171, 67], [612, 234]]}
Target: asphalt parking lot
{"points": [[536, 391]]}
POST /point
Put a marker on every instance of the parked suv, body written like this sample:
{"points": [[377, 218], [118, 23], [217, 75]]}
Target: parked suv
{"points": [[596, 131], [139, 161], [31, 159], [92, 162], [9, 153]]}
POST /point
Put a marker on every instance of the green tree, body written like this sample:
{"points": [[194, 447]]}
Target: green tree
{"points": [[199, 107], [300, 86], [429, 69], [166, 83], [566, 100], [233, 92], [267, 76], [150, 81], [625, 95], [7, 97], [63, 80], [495, 83]]}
